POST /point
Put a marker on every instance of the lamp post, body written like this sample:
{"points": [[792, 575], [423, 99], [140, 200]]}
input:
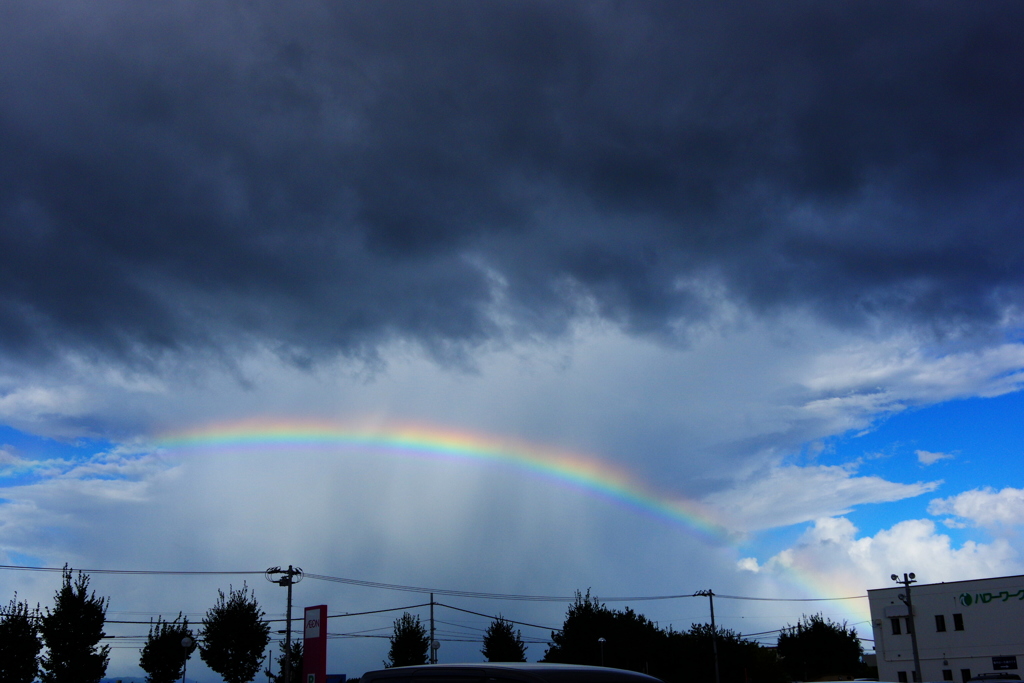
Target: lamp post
{"points": [[906, 600], [602, 641], [186, 643]]}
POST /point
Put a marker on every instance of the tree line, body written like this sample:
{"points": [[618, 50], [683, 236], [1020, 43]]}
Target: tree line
{"points": [[813, 649], [61, 644]]}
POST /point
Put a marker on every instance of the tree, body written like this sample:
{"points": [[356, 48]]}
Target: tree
{"points": [[586, 621], [818, 647], [502, 643], [71, 632], [691, 657], [295, 668], [409, 643], [163, 657], [630, 640], [19, 642], [234, 636]]}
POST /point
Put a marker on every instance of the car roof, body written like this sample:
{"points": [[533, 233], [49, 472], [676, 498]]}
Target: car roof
{"points": [[511, 671]]}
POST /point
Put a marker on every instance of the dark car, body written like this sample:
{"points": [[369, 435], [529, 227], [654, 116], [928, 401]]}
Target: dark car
{"points": [[505, 673]]}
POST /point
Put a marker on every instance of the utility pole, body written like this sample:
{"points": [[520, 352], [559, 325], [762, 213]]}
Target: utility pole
{"points": [[433, 649], [714, 633], [906, 600], [289, 578]]}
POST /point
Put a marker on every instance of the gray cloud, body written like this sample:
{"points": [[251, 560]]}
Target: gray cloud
{"points": [[327, 177]]}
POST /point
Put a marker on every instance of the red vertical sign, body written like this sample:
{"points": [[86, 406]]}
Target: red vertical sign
{"points": [[314, 645]]}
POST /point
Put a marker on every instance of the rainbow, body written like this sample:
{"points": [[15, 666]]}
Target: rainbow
{"points": [[854, 603], [573, 470]]}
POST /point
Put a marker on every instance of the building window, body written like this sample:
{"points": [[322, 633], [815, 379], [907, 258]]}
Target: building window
{"points": [[958, 622], [901, 676], [896, 626], [965, 674], [940, 625], [947, 674]]}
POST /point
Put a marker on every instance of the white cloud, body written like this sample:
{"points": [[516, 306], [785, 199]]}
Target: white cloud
{"points": [[984, 507], [930, 458], [748, 564], [781, 496], [715, 418], [8, 457], [831, 552], [900, 368], [725, 405]]}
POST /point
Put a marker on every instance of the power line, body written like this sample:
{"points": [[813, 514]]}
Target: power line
{"points": [[744, 597], [489, 616], [155, 572], [422, 589], [439, 591]]}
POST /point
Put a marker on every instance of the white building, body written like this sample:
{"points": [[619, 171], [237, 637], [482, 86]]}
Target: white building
{"points": [[964, 628]]}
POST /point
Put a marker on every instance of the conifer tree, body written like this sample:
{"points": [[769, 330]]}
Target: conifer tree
{"points": [[409, 642], [502, 643]]}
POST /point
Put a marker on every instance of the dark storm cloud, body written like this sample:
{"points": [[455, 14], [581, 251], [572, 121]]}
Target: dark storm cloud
{"points": [[325, 176]]}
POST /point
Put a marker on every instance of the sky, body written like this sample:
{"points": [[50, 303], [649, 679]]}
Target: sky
{"points": [[509, 298]]}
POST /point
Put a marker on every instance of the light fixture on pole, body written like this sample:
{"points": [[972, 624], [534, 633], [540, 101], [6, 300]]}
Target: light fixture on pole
{"points": [[906, 600], [186, 643], [602, 641]]}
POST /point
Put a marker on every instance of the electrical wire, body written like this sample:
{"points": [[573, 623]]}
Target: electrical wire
{"points": [[143, 572], [424, 590], [489, 616]]}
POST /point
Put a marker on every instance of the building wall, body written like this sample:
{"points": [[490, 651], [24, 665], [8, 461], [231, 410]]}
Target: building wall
{"points": [[983, 621]]}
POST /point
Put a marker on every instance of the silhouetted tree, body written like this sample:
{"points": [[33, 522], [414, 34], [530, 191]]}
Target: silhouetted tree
{"points": [[586, 621], [818, 647], [19, 642], [71, 632], [692, 657], [234, 636], [163, 657], [296, 664], [634, 642], [502, 643], [409, 642], [631, 640]]}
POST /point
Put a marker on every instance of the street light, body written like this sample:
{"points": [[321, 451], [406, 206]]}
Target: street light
{"points": [[906, 600], [186, 643], [602, 641]]}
